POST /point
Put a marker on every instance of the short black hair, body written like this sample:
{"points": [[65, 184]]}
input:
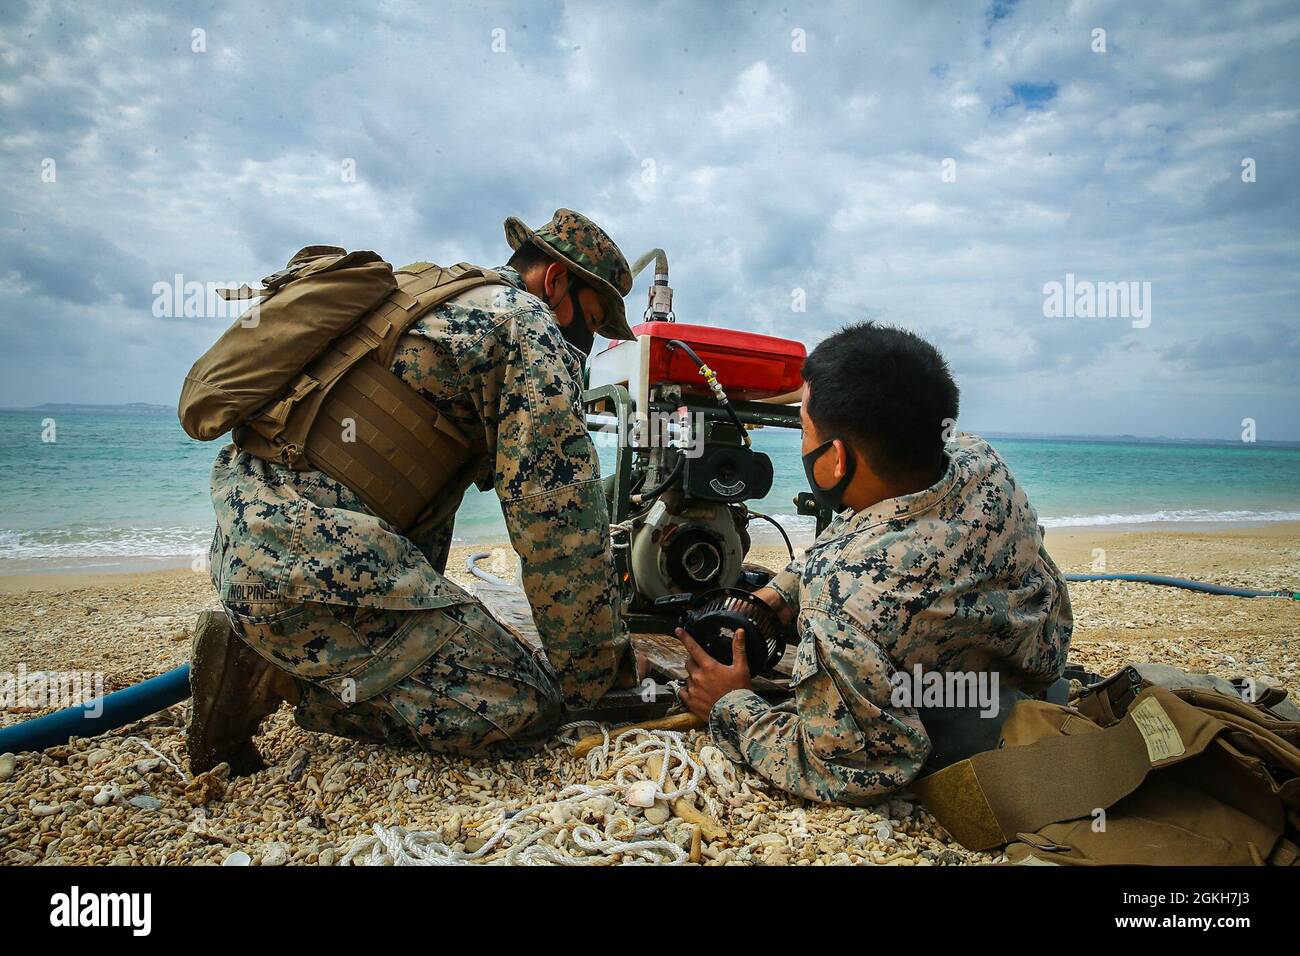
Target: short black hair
{"points": [[528, 257], [889, 393]]}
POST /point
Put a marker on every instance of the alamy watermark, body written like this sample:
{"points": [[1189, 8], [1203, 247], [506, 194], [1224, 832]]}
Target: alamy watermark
{"points": [[956, 689], [75, 908], [680, 429], [24, 690], [202, 300], [1085, 299]]}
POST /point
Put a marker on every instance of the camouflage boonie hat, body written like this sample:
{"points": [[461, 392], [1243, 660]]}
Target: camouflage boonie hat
{"points": [[573, 239]]}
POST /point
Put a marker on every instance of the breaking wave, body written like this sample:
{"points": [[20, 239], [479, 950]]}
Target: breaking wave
{"points": [[1191, 516], [104, 543]]}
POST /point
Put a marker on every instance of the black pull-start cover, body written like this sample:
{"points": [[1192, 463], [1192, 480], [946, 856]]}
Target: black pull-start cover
{"points": [[714, 617]]}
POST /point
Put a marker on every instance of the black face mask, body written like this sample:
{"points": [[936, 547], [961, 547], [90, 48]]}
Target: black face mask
{"points": [[577, 333], [832, 497]]}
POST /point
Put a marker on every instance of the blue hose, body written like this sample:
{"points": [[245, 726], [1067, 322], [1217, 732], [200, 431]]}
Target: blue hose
{"points": [[1183, 583], [99, 715]]}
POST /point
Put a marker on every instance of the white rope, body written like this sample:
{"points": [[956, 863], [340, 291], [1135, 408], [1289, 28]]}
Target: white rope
{"points": [[615, 759], [562, 735], [558, 837], [160, 755]]}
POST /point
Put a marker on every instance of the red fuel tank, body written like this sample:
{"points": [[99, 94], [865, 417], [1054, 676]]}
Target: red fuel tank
{"points": [[749, 365]]}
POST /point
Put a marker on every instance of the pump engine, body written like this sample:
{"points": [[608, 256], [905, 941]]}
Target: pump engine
{"points": [[681, 399]]}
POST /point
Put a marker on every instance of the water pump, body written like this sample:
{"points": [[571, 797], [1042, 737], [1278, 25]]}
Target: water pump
{"points": [[681, 399]]}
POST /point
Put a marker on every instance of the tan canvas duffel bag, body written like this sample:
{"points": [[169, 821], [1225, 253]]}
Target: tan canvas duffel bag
{"points": [[1133, 773]]}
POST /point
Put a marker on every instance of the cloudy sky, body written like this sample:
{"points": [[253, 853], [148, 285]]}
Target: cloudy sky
{"points": [[768, 148]]}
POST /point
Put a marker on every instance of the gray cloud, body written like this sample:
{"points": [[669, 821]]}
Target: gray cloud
{"points": [[774, 170]]}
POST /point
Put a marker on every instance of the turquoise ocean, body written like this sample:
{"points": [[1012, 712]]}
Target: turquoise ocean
{"points": [[124, 488]]}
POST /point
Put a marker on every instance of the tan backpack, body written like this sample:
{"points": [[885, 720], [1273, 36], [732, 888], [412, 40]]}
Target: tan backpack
{"points": [[304, 378], [1136, 772]]}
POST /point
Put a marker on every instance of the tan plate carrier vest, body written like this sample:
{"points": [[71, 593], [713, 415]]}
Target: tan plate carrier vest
{"points": [[405, 451]]}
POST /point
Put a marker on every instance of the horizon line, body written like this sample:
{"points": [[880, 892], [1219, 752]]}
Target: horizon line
{"points": [[994, 433]]}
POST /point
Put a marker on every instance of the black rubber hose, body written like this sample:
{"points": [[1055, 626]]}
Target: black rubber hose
{"points": [[641, 497], [714, 385], [1185, 584], [776, 524]]}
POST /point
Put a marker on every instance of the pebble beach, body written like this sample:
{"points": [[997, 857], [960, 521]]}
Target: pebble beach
{"points": [[127, 798]]}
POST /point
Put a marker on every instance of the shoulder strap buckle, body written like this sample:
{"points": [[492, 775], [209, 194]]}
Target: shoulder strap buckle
{"points": [[245, 291]]}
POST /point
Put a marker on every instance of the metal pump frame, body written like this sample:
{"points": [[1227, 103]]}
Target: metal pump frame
{"points": [[600, 400]]}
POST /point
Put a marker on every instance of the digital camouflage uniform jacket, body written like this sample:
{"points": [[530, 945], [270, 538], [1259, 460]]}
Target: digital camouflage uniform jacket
{"points": [[953, 578], [492, 360]]}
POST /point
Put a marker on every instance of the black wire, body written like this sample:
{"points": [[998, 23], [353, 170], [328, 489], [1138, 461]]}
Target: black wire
{"points": [[679, 344], [758, 514], [664, 485], [724, 402]]}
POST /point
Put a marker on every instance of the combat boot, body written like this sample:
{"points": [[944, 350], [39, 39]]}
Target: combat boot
{"points": [[234, 689]]}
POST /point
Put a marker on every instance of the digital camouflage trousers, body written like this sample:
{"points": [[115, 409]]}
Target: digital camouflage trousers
{"points": [[450, 679]]}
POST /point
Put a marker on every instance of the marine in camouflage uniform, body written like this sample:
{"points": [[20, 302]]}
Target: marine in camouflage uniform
{"points": [[382, 646], [953, 578]]}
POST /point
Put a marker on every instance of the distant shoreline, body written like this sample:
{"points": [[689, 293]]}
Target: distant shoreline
{"points": [[151, 407]]}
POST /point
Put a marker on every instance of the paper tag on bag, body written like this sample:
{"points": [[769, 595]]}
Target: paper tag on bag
{"points": [[1158, 731]]}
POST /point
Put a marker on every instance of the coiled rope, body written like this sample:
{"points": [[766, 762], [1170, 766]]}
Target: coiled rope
{"points": [[550, 832]]}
